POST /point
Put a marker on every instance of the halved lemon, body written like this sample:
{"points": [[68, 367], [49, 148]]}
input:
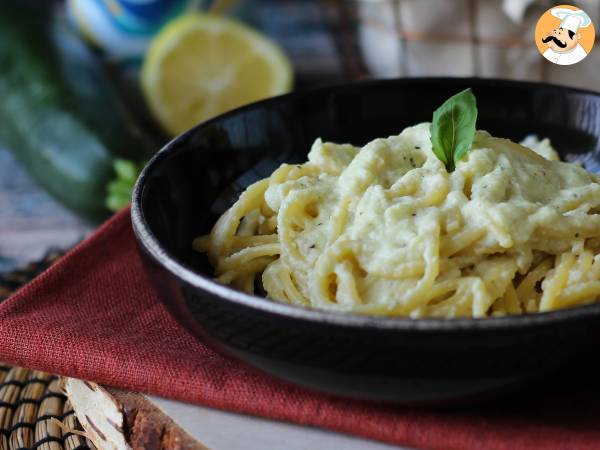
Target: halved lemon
{"points": [[201, 65]]}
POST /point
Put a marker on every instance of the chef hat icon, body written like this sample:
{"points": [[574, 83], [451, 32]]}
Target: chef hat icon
{"points": [[571, 19]]}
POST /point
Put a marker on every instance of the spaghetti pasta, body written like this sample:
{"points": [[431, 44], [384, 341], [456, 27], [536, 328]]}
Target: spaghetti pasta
{"points": [[386, 230]]}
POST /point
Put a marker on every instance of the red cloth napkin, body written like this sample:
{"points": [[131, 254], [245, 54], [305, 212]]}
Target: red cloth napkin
{"points": [[93, 316]]}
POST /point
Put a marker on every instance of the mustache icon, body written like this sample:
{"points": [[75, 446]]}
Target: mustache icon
{"points": [[556, 41]]}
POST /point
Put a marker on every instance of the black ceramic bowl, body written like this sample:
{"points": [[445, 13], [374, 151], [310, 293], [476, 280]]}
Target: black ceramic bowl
{"points": [[186, 186]]}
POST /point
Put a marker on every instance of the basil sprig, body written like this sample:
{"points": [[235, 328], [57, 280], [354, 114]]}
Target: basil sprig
{"points": [[453, 128], [119, 190]]}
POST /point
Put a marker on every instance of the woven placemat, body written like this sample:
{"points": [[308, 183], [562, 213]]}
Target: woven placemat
{"points": [[32, 401], [10, 282]]}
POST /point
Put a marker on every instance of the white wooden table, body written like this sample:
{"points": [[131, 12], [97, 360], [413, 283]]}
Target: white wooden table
{"points": [[223, 430], [31, 222]]}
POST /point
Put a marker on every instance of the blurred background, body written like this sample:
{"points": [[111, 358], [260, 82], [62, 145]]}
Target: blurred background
{"points": [[70, 150]]}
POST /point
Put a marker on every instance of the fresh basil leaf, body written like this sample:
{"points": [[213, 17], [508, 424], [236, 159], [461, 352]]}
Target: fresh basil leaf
{"points": [[453, 128], [119, 190], [126, 170]]}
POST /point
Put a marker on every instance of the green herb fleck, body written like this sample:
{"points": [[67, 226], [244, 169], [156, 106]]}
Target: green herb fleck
{"points": [[120, 188], [453, 128]]}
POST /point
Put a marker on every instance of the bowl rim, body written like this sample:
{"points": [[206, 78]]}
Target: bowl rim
{"points": [[152, 246]]}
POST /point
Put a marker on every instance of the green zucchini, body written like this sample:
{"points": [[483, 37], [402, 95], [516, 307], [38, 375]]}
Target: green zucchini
{"points": [[59, 114]]}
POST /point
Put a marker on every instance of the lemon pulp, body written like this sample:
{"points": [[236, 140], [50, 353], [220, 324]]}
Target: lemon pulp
{"points": [[202, 65]]}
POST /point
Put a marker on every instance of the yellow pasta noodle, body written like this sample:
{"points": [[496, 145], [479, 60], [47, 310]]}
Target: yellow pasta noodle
{"points": [[386, 230]]}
